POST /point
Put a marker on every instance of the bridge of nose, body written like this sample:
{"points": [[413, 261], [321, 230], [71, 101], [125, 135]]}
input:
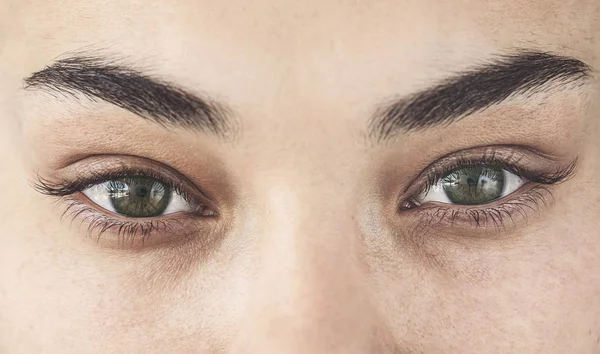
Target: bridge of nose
{"points": [[309, 293]]}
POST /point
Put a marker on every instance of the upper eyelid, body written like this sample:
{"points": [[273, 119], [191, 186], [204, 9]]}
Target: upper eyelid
{"points": [[424, 171], [104, 166]]}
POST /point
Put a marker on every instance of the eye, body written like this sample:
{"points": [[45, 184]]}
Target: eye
{"points": [[480, 188], [137, 197], [472, 185], [129, 202]]}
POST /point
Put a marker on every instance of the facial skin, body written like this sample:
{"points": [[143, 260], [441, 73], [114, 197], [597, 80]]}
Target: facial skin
{"points": [[308, 246]]}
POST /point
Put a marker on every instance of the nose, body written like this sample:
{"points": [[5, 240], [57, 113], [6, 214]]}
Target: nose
{"points": [[309, 294]]}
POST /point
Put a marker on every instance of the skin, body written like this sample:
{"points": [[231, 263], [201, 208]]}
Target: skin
{"points": [[310, 254]]}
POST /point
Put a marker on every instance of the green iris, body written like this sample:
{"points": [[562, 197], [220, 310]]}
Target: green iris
{"points": [[139, 197], [474, 185]]}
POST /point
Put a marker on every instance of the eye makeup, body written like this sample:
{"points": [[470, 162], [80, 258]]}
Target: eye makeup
{"points": [[106, 193], [126, 201], [537, 174]]}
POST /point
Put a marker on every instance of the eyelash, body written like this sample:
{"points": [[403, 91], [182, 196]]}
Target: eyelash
{"points": [[505, 207], [99, 222], [131, 231]]}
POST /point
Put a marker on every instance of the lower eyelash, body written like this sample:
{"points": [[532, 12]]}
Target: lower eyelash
{"points": [[128, 232], [495, 216]]}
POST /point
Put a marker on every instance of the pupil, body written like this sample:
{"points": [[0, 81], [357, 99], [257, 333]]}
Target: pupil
{"points": [[142, 192]]}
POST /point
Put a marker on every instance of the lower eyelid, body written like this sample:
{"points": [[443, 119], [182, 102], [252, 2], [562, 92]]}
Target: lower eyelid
{"points": [[493, 215], [114, 231]]}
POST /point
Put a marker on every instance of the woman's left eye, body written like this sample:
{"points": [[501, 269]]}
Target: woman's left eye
{"points": [[137, 197], [472, 185]]}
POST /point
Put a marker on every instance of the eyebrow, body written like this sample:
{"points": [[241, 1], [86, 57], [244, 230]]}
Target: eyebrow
{"points": [[125, 87], [471, 91]]}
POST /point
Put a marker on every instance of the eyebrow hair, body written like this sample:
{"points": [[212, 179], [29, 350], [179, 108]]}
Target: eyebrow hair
{"points": [[525, 72], [125, 87]]}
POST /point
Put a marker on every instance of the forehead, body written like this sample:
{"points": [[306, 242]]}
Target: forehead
{"points": [[308, 31]]}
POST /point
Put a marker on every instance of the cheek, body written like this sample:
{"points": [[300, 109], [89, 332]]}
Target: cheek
{"points": [[532, 291], [111, 301]]}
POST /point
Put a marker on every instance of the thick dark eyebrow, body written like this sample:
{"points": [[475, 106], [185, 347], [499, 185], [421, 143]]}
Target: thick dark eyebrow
{"points": [[525, 72], [125, 87]]}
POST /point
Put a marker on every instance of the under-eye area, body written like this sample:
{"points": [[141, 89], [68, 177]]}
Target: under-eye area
{"points": [[129, 202], [485, 187]]}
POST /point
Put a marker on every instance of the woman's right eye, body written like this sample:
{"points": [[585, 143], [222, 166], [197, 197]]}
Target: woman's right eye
{"points": [[138, 197], [129, 205]]}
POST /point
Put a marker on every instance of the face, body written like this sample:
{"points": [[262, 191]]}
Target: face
{"points": [[299, 177]]}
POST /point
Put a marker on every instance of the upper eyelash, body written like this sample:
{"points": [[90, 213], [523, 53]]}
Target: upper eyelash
{"points": [[65, 188], [509, 163]]}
